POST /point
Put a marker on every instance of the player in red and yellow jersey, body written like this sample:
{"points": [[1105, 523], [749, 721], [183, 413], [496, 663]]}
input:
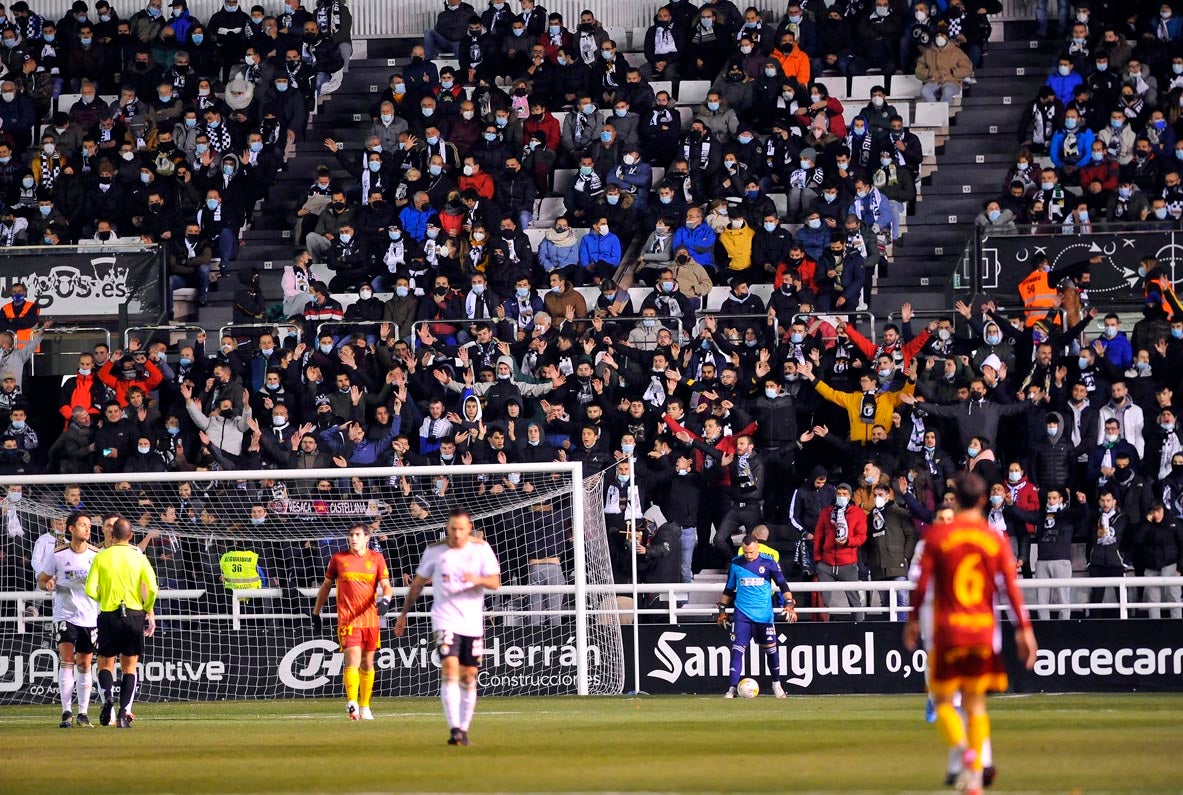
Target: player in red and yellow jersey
{"points": [[358, 574], [963, 566]]}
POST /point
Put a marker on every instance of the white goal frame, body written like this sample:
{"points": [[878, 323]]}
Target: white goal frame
{"points": [[572, 468]]}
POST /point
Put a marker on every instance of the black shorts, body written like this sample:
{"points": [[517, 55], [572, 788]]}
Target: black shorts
{"points": [[84, 639], [121, 633], [466, 649]]}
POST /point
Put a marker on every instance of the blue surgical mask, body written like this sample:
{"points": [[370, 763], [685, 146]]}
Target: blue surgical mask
{"points": [[605, 136], [973, 451], [281, 87], [435, 170], [45, 211], [211, 204], [1083, 361], [326, 349], [522, 292], [712, 106], [994, 215], [996, 500], [841, 501], [1069, 123], [173, 430], [375, 166], [86, 41], [197, 38]]}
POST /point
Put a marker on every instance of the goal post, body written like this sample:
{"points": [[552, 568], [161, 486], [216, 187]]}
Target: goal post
{"points": [[550, 630]]}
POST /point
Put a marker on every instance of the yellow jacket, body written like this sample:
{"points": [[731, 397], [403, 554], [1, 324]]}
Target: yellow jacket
{"points": [[738, 243], [885, 404]]}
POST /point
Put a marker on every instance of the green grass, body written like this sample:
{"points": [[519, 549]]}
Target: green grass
{"points": [[1083, 743]]}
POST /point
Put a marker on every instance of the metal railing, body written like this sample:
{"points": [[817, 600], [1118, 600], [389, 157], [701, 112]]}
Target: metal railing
{"points": [[67, 331], [169, 330], [805, 317], [677, 598], [359, 323], [272, 328]]}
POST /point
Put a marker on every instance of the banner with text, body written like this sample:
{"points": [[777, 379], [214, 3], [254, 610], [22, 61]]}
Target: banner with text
{"points": [[1005, 260], [73, 283], [182, 665], [823, 658]]}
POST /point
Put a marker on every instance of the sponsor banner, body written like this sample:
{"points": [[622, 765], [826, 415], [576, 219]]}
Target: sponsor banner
{"points": [[817, 659], [1006, 260], [74, 283], [199, 666], [366, 508]]}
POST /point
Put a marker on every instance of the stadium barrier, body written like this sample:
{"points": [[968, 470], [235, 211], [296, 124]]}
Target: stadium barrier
{"points": [[829, 316], [276, 655], [998, 262]]}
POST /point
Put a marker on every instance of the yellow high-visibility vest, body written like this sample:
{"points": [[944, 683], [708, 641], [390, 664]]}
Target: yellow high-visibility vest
{"points": [[240, 569]]}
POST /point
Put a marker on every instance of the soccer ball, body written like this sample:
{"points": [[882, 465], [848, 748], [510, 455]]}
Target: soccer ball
{"points": [[748, 688]]}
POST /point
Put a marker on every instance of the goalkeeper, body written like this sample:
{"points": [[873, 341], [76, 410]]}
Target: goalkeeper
{"points": [[358, 574], [749, 587]]}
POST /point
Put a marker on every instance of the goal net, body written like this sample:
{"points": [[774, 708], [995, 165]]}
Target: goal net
{"points": [[240, 555]]}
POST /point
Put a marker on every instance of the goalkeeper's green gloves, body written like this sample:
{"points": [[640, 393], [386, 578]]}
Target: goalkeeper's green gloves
{"points": [[383, 606]]}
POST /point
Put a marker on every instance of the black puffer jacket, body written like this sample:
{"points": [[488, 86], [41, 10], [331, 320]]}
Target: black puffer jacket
{"points": [[1158, 545], [1052, 456]]}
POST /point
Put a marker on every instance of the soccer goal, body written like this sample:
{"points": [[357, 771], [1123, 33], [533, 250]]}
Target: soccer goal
{"points": [[240, 555]]}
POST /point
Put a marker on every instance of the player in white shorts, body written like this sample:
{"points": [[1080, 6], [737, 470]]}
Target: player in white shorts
{"points": [[75, 616], [460, 570]]}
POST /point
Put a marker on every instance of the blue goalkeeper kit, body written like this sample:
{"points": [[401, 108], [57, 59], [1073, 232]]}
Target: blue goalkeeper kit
{"points": [[749, 584]]}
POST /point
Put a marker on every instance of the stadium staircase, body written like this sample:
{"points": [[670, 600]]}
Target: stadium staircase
{"points": [[973, 158], [967, 153]]}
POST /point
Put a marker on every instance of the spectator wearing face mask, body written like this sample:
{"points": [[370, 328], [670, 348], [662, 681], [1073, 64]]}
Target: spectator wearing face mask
{"points": [[840, 532]]}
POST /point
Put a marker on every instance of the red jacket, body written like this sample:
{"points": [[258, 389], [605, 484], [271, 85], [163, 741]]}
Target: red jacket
{"points": [[1106, 172], [549, 126], [725, 444], [872, 351], [825, 537], [1026, 497], [121, 385]]}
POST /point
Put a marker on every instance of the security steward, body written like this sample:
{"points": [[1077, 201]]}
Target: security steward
{"points": [[122, 581]]}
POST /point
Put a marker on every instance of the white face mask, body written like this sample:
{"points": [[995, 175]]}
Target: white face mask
{"points": [[880, 502]]}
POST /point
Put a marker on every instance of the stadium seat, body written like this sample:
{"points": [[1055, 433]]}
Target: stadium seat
{"points": [[549, 209], [781, 201], [931, 114], [860, 87], [904, 87], [635, 59], [535, 236], [835, 85], [658, 175], [637, 39], [618, 35], [928, 142], [440, 63], [662, 85], [560, 117], [563, 179], [693, 92], [686, 113]]}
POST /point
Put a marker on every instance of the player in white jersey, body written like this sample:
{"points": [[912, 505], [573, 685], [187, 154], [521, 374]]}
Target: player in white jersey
{"points": [[75, 616], [459, 570]]}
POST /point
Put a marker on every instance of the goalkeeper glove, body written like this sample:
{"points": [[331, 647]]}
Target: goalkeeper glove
{"points": [[317, 622], [383, 606]]}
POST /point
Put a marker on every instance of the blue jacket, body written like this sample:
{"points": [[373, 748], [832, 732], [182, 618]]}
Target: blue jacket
{"points": [[17, 115], [363, 453], [1064, 86], [258, 368], [814, 241], [700, 241], [513, 309], [635, 179], [595, 247], [1118, 350], [1084, 140], [553, 257], [414, 222]]}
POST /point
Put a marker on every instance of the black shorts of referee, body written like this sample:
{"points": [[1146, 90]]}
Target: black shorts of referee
{"points": [[121, 633]]}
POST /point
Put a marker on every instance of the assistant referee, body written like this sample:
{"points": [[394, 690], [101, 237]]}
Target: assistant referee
{"points": [[121, 580]]}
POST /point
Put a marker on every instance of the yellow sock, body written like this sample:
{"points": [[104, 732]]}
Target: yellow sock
{"points": [[950, 726], [979, 732], [367, 687], [352, 676]]}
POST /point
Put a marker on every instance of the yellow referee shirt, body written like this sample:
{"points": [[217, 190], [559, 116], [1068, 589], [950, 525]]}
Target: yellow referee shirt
{"points": [[120, 575]]}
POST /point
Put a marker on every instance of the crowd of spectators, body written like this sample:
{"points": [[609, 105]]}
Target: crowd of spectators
{"points": [[831, 442], [1099, 144]]}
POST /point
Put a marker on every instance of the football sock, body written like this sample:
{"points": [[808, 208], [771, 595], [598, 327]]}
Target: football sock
{"points": [[127, 692], [367, 686], [467, 704], [84, 685], [450, 695], [352, 682], [736, 664], [772, 657], [66, 685], [987, 753], [979, 731], [106, 686], [950, 726]]}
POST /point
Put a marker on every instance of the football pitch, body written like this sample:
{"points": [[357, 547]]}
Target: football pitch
{"points": [[1064, 743]]}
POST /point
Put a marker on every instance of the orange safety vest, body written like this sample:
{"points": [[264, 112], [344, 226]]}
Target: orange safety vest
{"points": [[1036, 294], [1164, 289], [25, 334]]}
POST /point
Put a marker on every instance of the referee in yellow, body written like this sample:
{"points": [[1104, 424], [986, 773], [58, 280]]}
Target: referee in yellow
{"points": [[121, 580]]}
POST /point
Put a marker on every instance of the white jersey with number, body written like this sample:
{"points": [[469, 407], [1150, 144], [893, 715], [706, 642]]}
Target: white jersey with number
{"points": [[458, 606], [70, 602]]}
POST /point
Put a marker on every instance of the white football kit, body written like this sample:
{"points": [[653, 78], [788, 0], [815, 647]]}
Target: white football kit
{"points": [[70, 602], [457, 606]]}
